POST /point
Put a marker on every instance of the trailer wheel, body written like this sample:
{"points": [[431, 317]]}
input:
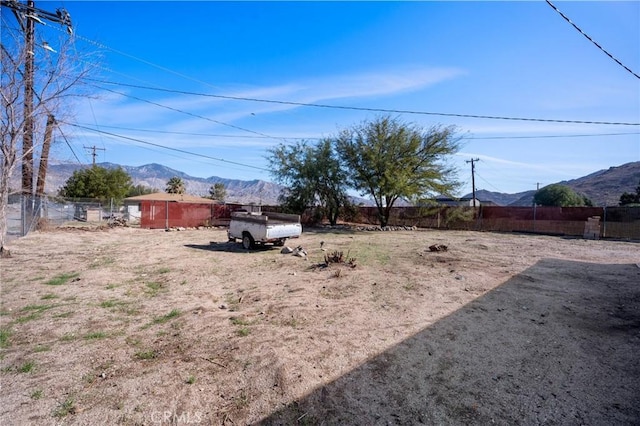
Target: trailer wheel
{"points": [[280, 243], [247, 241]]}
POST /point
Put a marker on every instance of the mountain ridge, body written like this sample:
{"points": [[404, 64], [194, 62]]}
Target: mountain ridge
{"points": [[602, 187]]}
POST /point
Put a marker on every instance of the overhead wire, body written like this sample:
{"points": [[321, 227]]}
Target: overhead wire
{"points": [[550, 136], [386, 110], [187, 113], [592, 40], [167, 147], [216, 135]]}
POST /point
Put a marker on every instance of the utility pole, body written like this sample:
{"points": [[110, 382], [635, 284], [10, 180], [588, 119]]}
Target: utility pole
{"points": [[27, 15], [44, 158], [93, 152], [473, 178]]}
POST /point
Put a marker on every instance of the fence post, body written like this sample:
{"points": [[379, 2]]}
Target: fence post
{"points": [[604, 222]]}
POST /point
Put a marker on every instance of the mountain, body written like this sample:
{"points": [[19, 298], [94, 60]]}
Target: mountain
{"points": [[157, 175], [603, 187]]}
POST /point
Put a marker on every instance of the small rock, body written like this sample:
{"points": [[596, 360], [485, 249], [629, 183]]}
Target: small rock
{"points": [[286, 250]]}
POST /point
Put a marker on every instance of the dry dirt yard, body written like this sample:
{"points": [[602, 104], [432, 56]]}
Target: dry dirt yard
{"points": [[142, 327]]}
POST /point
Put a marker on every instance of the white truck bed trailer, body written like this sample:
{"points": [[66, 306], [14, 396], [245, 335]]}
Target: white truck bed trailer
{"points": [[263, 227]]}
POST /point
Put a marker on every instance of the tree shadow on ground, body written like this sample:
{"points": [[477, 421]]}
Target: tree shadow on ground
{"points": [[556, 344]]}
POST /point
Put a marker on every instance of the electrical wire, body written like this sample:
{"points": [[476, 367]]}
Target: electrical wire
{"points": [[69, 144], [385, 110], [549, 136], [592, 40], [166, 147], [186, 112]]}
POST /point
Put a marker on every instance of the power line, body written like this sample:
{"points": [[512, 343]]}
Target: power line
{"points": [[353, 108], [551, 136], [166, 147], [592, 40], [187, 113], [215, 135]]}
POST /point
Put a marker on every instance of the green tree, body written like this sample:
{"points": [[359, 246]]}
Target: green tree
{"points": [[560, 196], [175, 185], [313, 177], [140, 190], [218, 192], [97, 182], [629, 198], [388, 159]]}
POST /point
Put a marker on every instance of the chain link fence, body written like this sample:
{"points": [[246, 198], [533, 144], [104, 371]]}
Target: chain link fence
{"points": [[28, 213]]}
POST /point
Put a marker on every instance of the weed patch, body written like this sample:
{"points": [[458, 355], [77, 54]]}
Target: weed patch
{"points": [[154, 287], [148, 354], [62, 278], [27, 367], [95, 335], [239, 321], [5, 335], [165, 318], [65, 408], [49, 296]]}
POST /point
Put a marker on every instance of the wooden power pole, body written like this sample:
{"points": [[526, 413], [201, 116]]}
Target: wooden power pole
{"points": [[473, 179]]}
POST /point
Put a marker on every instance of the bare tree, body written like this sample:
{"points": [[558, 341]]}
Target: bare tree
{"points": [[56, 77]]}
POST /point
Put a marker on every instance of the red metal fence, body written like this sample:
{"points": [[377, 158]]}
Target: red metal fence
{"points": [[167, 214], [615, 222]]}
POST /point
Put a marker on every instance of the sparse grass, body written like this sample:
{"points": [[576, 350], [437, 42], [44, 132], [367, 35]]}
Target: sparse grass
{"points": [[89, 378], [112, 303], [242, 400], [161, 320], [148, 354], [42, 348], [105, 261], [5, 335], [95, 335], [239, 321], [243, 332], [64, 314], [291, 322], [133, 341], [111, 286], [49, 296], [37, 308], [191, 379], [68, 337], [65, 408], [233, 301], [409, 286], [62, 278], [32, 316], [36, 394], [371, 253], [27, 367], [153, 287], [163, 271]]}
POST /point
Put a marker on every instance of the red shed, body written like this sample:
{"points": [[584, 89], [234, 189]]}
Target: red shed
{"points": [[162, 210]]}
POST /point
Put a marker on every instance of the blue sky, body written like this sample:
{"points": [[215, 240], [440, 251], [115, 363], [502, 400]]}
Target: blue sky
{"points": [[503, 59]]}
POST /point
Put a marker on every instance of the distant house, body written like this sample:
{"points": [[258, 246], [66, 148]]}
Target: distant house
{"points": [[162, 210]]}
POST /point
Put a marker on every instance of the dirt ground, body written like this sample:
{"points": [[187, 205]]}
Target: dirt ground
{"points": [[141, 327]]}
